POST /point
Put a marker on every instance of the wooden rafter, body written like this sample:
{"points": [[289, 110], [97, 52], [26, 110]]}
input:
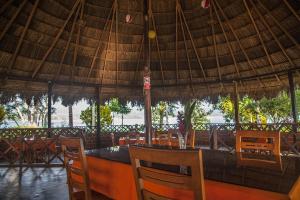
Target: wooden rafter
{"points": [[260, 39], [215, 47], [273, 34], [109, 35], [80, 26], [187, 55], [67, 46], [176, 45], [20, 42], [157, 46], [99, 43], [139, 59], [192, 41], [116, 42], [227, 40], [4, 7], [279, 25], [55, 40], [292, 10], [238, 40], [8, 25]]}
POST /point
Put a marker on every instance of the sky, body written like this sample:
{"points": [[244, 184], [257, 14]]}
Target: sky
{"points": [[136, 116]]}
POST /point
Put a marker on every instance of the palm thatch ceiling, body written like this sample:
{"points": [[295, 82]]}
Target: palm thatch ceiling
{"points": [[248, 45]]}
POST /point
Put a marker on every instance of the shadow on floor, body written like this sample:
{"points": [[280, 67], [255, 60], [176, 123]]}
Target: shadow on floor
{"points": [[33, 184]]}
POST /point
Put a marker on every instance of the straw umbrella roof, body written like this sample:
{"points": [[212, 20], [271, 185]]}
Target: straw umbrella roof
{"points": [[248, 45]]}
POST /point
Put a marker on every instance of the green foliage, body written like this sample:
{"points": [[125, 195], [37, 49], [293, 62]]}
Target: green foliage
{"points": [[163, 110], [199, 115], [2, 114], [274, 110], [189, 107], [30, 111], [105, 116], [277, 109], [119, 108]]}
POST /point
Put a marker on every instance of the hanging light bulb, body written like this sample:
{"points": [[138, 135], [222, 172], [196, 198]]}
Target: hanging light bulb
{"points": [[205, 4], [151, 34], [128, 18]]}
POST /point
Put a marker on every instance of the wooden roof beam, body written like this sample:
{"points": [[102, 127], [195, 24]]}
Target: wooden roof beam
{"points": [[239, 42], [279, 25], [10, 22], [215, 47], [187, 56], [260, 39], [139, 59], [273, 34], [176, 43], [55, 40], [110, 30], [80, 26], [116, 43], [292, 10], [20, 42], [226, 38], [67, 46], [192, 40], [100, 42], [157, 45], [4, 7]]}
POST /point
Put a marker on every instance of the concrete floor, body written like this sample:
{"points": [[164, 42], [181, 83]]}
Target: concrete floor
{"points": [[33, 184]]}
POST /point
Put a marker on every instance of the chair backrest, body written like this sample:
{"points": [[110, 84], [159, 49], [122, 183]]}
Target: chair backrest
{"points": [[258, 140], [189, 158], [76, 166]]}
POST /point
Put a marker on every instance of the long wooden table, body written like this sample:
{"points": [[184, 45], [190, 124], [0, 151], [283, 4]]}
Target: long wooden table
{"points": [[111, 174]]}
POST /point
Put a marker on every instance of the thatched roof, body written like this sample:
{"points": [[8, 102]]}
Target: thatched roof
{"points": [[198, 52]]}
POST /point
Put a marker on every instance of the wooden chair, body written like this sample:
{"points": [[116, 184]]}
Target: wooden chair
{"points": [[259, 141], [193, 182], [77, 170]]}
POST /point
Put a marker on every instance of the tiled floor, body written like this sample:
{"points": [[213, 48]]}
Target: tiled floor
{"points": [[33, 184]]}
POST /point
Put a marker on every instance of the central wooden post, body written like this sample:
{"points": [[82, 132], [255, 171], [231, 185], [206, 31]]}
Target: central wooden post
{"points": [[147, 87]]}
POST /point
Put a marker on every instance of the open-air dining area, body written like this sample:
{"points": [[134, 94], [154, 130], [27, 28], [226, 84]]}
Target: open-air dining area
{"points": [[176, 61]]}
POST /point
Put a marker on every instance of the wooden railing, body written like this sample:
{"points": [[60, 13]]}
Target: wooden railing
{"points": [[40, 146]]}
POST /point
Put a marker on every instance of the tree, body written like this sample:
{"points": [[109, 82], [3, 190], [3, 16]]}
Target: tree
{"points": [[163, 110], [31, 110], [105, 116], [278, 109], [119, 108], [199, 116], [2, 115]]}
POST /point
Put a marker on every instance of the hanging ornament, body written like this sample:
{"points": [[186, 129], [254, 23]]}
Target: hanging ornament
{"points": [[205, 4], [128, 18], [151, 34]]}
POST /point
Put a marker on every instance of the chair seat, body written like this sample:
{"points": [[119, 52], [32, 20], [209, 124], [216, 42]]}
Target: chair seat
{"points": [[95, 196]]}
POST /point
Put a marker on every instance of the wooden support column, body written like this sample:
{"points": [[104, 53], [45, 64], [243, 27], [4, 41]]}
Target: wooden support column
{"points": [[49, 105], [236, 106], [70, 107], [293, 100], [147, 91], [98, 142]]}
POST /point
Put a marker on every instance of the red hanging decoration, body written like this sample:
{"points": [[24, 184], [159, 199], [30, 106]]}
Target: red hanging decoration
{"points": [[205, 4]]}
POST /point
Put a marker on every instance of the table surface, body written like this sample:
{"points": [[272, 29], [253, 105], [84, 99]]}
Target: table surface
{"points": [[223, 166]]}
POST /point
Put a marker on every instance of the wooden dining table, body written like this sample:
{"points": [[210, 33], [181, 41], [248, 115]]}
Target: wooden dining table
{"points": [[111, 174]]}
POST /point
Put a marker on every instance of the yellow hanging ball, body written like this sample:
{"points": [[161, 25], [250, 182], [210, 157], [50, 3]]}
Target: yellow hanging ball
{"points": [[151, 34]]}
